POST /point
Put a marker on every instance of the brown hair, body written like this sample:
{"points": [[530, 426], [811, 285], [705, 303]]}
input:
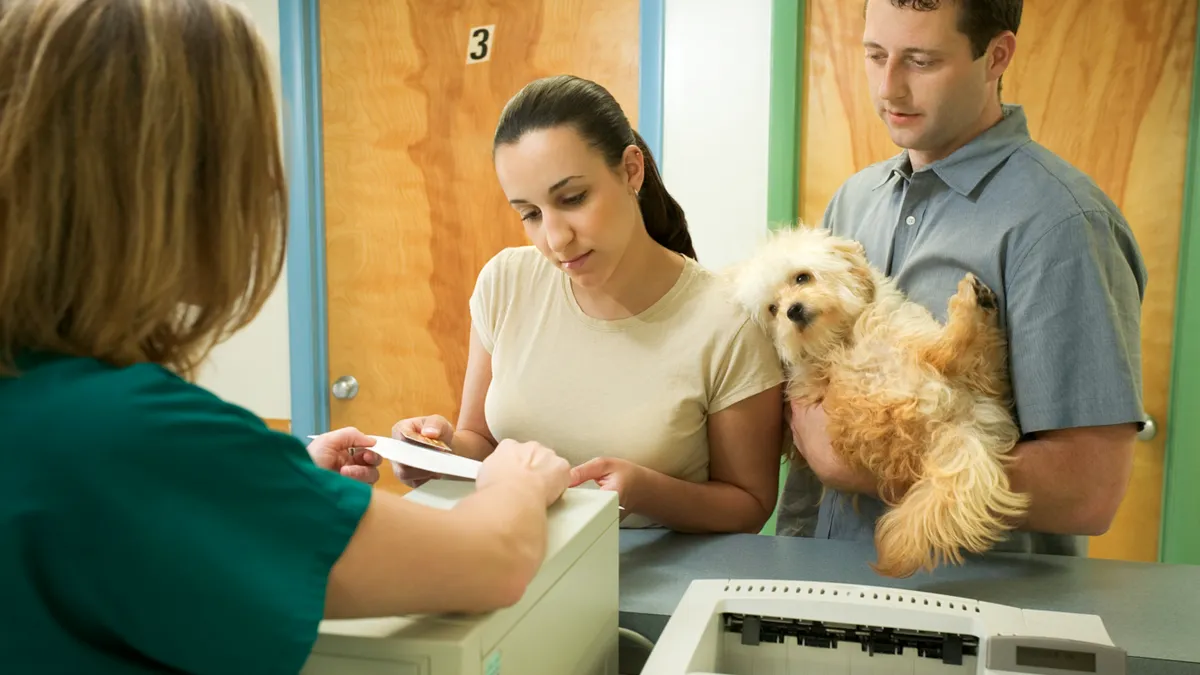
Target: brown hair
{"points": [[592, 111], [142, 197], [979, 20]]}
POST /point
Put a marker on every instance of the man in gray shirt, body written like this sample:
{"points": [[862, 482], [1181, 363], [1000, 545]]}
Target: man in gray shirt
{"points": [[971, 192]]}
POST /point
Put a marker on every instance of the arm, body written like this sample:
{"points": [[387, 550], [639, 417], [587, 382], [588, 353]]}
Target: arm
{"points": [[470, 435], [1077, 476], [1073, 300], [472, 438], [476, 557], [499, 528], [199, 505], [744, 442], [488, 307]]}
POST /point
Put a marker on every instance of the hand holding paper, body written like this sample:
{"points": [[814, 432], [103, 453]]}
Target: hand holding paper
{"points": [[426, 430], [529, 463], [532, 466], [440, 462], [336, 451]]}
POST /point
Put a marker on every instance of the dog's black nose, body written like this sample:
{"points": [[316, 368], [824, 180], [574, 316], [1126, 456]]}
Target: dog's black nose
{"points": [[796, 313]]}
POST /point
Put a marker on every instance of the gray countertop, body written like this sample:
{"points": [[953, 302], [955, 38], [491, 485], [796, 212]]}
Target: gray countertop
{"points": [[1152, 611]]}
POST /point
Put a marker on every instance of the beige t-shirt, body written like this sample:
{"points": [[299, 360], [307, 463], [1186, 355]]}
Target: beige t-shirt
{"points": [[639, 388]]}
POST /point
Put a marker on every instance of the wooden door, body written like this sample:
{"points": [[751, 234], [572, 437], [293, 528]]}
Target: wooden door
{"points": [[1106, 84], [413, 207]]}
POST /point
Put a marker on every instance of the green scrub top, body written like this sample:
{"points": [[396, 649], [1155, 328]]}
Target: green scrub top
{"points": [[147, 526]]}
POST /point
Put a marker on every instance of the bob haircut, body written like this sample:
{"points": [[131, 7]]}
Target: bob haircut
{"points": [[142, 194]]}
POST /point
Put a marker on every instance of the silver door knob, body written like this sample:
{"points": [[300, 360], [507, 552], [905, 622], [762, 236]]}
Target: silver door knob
{"points": [[345, 387], [1149, 429]]}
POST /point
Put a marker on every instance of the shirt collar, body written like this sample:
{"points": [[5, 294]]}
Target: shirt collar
{"points": [[966, 167], [896, 166]]}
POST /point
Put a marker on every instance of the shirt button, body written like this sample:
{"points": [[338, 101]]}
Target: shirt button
{"points": [[910, 220]]}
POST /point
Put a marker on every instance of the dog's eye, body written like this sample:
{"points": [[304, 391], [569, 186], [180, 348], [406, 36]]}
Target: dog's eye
{"points": [[772, 309], [803, 278]]}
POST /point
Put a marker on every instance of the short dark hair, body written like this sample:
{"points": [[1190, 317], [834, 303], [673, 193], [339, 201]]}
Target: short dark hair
{"points": [[979, 20], [593, 112]]}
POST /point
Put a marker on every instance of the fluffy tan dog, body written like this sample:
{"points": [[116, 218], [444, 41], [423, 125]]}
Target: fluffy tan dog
{"points": [[922, 406]]}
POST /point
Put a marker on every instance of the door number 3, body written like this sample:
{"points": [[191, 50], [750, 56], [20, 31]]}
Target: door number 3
{"points": [[479, 44]]}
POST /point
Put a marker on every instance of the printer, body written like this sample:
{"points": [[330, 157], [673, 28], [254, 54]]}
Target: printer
{"points": [[566, 622], [759, 627]]}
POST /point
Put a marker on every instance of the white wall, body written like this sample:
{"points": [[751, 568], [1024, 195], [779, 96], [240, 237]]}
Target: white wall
{"points": [[263, 345], [716, 91]]}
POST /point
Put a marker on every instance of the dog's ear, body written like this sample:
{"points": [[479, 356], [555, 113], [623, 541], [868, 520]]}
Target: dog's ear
{"points": [[866, 282], [860, 267], [850, 249]]}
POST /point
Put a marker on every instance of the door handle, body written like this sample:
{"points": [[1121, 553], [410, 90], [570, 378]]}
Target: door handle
{"points": [[345, 387], [1149, 429]]}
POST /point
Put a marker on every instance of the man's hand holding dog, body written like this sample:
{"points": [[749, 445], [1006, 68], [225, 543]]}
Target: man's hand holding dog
{"points": [[812, 441]]}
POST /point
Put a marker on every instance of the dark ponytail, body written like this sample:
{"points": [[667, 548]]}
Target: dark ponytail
{"points": [[593, 112]]}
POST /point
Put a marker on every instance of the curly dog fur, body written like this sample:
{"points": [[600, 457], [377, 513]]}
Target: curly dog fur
{"points": [[923, 406]]}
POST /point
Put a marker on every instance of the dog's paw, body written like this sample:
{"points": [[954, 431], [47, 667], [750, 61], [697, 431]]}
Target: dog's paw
{"points": [[984, 297], [974, 293]]}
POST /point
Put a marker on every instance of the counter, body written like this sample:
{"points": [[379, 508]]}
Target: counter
{"points": [[1152, 611]]}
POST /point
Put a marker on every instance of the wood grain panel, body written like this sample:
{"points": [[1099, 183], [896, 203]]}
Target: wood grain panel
{"points": [[413, 208], [1106, 84], [279, 425]]}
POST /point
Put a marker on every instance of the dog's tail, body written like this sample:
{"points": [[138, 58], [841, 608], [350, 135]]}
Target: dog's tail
{"points": [[961, 502]]}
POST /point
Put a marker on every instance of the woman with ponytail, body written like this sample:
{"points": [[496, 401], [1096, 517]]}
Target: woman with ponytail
{"points": [[606, 339]]}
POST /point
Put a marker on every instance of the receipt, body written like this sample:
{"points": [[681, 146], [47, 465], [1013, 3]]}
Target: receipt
{"points": [[421, 457], [418, 457]]}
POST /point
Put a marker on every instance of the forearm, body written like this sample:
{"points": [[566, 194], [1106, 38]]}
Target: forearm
{"points": [[517, 515], [476, 557], [1075, 482], [685, 506], [1068, 495], [471, 444]]}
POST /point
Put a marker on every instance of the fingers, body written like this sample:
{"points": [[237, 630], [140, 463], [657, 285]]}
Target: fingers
{"points": [[411, 426], [796, 407], [798, 440], [794, 423], [593, 469], [436, 426], [365, 474], [410, 476], [346, 438], [367, 458], [431, 426]]}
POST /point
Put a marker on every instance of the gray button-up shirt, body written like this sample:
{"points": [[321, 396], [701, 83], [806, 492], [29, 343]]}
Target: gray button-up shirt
{"points": [[1057, 252]]}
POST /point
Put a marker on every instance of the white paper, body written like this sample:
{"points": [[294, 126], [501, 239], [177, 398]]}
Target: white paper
{"points": [[420, 457], [444, 463]]}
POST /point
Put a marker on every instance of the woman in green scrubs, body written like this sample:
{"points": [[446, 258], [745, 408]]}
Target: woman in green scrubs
{"points": [[147, 526]]}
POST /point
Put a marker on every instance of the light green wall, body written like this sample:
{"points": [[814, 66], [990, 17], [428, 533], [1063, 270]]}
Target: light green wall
{"points": [[1181, 498], [783, 159]]}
